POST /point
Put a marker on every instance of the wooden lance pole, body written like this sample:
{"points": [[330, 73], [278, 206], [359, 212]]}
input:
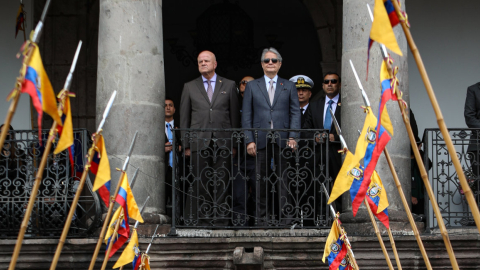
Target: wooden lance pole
{"points": [[419, 159], [112, 203], [38, 177], [441, 123], [73, 207], [397, 182], [18, 85]]}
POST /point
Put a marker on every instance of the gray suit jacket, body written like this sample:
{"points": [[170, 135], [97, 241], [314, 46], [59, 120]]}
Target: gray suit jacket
{"points": [[197, 112], [472, 115], [257, 112]]}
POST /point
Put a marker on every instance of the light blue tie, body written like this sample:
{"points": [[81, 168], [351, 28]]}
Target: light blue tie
{"points": [[169, 134], [328, 117]]}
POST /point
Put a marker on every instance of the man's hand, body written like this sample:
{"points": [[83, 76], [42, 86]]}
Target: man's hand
{"points": [[168, 147], [187, 152], [252, 149], [234, 152], [319, 138], [414, 201], [292, 144], [331, 137]]}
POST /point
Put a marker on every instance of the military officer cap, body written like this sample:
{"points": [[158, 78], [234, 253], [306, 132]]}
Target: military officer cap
{"points": [[302, 81]]}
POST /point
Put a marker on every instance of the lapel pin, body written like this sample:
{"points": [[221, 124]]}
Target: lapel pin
{"points": [[223, 92], [219, 80]]}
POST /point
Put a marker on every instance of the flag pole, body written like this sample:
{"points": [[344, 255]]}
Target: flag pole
{"points": [[145, 255], [112, 203], [397, 181], [37, 183], [379, 236], [18, 85], [394, 248], [73, 207], [441, 123], [413, 143]]}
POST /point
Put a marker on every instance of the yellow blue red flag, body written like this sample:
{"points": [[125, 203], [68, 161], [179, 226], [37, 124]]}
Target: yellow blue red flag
{"points": [[127, 201], [384, 19], [38, 86], [121, 236], [19, 22], [66, 131], [335, 249], [100, 166], [130, 252], [377, 199]]}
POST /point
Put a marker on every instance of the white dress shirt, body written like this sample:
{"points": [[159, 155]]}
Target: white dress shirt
{"points": [[305, 108], [267, 82], [171, 125], [213, 81]]}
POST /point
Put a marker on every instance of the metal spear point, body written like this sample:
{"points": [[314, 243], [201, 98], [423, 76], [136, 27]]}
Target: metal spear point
{"points": [[364, 94], [134, 178], [125, 164], [339, 131], [68, 81], [141, 210], [153, 237], [107, 110], [38, 28]]}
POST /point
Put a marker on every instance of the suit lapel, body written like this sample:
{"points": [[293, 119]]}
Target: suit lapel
{"points": [[278, 90], [337, 110], [218, 86], [263, 88], [201, 88]]}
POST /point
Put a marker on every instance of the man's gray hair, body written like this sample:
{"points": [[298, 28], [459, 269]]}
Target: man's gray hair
{"points": [[273, 50]]}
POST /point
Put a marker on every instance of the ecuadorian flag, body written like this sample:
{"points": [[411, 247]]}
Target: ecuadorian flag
{"points": [[121, 237], [131, 253], [384, 19], [127, 201], [38, 86], [377, 199], [100, 166], [335, 249]]}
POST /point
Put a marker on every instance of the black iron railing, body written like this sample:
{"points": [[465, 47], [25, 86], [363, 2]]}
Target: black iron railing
{"points": [[221, 185], [19, 161], [443, 176]]}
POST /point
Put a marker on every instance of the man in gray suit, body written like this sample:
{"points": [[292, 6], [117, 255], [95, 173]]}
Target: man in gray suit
{"points": [[208, 102], [472, 119], [271, 102]]}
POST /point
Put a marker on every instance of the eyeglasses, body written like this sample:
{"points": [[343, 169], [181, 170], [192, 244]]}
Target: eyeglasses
{"points": [[333, 81], [267, 60], [244, 82]]}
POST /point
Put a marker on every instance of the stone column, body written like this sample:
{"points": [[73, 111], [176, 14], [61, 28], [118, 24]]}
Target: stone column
{"points": [[356, 30], [130, 60]]}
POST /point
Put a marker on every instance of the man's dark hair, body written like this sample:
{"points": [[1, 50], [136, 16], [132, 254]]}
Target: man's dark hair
{"points": [[168, 98], [332, 73]]}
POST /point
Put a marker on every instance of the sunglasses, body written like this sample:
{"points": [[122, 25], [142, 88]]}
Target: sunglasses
{"points": [[267, 60], [244, 82], [333, 81]]}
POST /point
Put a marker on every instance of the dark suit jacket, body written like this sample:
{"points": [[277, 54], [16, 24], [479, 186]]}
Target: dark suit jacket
{"points": [[314, 120], [472, 114], [257, 112], [197, 112]]}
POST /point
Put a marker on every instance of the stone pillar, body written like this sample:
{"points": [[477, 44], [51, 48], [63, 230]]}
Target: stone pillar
{"points": [[356, 30], [130, 60]]}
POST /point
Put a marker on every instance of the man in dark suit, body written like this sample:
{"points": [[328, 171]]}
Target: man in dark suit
{"points": [[318, 116], [472, 119], [304, 89], [271, 102], [209, 102], [171, 155]]}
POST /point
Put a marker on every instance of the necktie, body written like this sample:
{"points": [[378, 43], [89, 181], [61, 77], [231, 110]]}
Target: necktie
{"points": [[169, 134], [271, 95], [302, 110], [328, 117], [209, 90]]}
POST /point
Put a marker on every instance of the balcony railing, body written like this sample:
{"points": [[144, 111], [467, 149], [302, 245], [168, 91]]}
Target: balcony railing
{"points": [[19, 161], [220, 185], [444, 179]]}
